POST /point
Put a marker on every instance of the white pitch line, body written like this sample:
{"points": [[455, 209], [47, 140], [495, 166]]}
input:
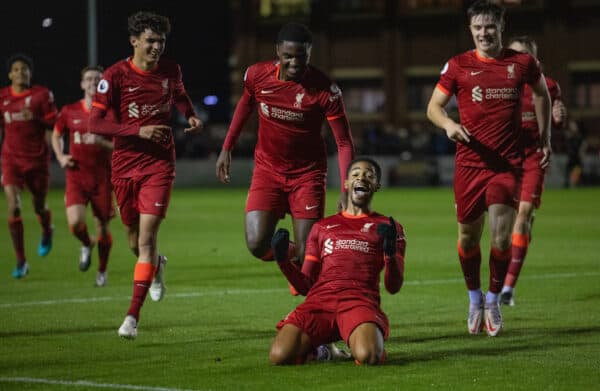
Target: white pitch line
{"points": [[272, 290], [85, 383]]}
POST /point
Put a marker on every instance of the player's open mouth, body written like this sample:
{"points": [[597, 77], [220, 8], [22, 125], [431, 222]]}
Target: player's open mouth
{"points": [[361, 190]]}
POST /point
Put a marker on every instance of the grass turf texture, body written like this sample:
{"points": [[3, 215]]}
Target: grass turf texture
{"points": [[214, 327]]}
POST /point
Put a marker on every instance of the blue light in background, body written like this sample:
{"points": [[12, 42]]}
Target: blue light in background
{"points": [[211, 100]]}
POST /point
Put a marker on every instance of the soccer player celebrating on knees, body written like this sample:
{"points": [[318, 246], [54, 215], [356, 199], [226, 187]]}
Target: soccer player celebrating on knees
{"points": [[345, 254], [87, 168], [488, 83], [290, 162], [26, 114], [532, 182], [141, 91]]}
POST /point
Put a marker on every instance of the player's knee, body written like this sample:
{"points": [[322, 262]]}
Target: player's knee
{"points": [[366, 355], [501, 241], [257, 248], [278, 355]]}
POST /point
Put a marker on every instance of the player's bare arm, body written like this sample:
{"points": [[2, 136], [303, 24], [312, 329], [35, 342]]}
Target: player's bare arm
{"points": [[437, 114], [542, 103], [224, 166], [195, 127], [65, 160]]}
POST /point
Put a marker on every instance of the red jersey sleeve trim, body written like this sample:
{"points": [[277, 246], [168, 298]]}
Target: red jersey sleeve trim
{"points": [[331, 118], [311, 258], [99, 105], [50, 115], [442, 89]]}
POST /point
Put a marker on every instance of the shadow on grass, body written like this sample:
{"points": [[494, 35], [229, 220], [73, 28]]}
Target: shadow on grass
{"points": [[514, 340]]}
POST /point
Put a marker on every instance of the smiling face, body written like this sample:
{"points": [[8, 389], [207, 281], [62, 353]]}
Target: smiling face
{"points": [[148, 47], [293, 59], [20, 74], [487, 34], [361, 183], [89, 82]]}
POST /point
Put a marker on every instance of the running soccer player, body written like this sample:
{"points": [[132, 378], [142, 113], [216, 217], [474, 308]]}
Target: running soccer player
{"points": [[142, 91], [27, 112], [87, 168], [488, 83]]}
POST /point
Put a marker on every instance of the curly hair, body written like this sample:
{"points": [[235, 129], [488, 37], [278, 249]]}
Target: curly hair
{"points": [[19, 57], [142, 20]]}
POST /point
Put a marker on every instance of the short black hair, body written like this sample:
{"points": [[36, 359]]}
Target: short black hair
{"points": [[369, 160], [19, 57], [526, 41], [142, 20], [486, 7], [295, 32]]}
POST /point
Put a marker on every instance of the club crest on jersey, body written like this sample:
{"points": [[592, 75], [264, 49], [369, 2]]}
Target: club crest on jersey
{"points": [[510, 69], [299, 98], [165, 86], [366, 227], [28, 101]]}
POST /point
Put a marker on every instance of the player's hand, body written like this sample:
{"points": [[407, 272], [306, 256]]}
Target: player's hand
{"points": [[389, 234], [559, 112], [196, 125], [158, 133], [89, 138], [66, 161], [224, 166], [342, 202], [546, 149], [458, 133]]}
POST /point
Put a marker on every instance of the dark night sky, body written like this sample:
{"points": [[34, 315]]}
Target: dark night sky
{"points": [[199, 41]]}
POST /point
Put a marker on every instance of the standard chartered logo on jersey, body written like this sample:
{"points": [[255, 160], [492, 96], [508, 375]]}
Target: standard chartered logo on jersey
{"points": [[505, 93], [476, 94], [346, 244], [282, 114]]}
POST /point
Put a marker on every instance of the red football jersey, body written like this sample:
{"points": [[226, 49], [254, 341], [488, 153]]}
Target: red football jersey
{"points": [[531, 132], [488, 92], [139, 98], [25, 138], [91, 159], [350, 253], [290, 117]]}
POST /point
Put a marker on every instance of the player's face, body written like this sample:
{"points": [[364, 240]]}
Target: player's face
{"points": [[20, 74], [487, 34], [148, 46], [293, 57], [361, 184], [90, 81]]}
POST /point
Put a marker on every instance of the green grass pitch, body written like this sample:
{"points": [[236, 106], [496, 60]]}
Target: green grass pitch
{"points": [[214, 327]]}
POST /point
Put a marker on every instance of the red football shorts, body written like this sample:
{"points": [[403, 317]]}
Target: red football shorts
{"points": [[303, 197], [532, 184], [327, 320], [96, 190], [149, 194], [476, 188], [21, 173]]}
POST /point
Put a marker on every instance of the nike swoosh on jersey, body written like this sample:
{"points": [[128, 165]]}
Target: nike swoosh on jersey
{"points": [[473, 73], [131, 89], [266, 91], [310, 207], [332, 226]]}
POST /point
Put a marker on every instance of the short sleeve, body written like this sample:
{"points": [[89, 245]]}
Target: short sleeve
{"points": [[447, 82]]}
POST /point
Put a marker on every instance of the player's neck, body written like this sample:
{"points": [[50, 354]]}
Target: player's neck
{"points": [[87, 100], [18, 88], [355, 210], [145, 66], [492, 53]]}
